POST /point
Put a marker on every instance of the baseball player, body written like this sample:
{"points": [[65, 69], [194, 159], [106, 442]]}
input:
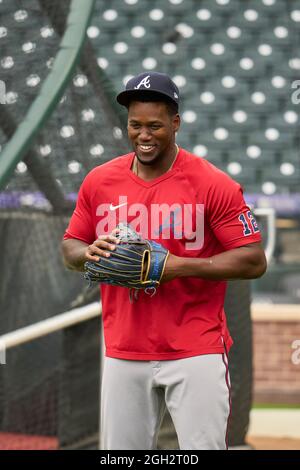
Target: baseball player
{"points": [[170, 349]]}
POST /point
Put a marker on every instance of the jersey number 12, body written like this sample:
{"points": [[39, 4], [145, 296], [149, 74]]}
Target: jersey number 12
{"points": [[249, 223]]}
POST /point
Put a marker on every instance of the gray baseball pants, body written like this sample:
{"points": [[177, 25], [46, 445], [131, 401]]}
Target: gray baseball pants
{"points": [[135, 394]]}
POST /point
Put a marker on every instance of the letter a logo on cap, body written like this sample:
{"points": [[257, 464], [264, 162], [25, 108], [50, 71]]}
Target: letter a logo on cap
{"points": [[145, 82]]}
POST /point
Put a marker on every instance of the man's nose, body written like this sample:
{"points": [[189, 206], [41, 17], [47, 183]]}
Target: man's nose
{"points": [[145, 134]]}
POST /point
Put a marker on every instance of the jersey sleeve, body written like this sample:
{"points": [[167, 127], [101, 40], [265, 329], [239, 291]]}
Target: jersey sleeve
{"points": [[230, 218], [81, 223]]}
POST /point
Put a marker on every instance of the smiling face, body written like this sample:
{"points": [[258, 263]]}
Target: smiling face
{"points": [[151, 130]]}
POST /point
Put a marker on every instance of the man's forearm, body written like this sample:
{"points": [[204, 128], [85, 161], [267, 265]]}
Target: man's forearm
{"points": [[239, 263], [74, 254]]}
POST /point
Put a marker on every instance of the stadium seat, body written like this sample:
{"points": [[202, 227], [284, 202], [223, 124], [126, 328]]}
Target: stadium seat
{"points": [[291, 155], [214, 156], [110, 20], [266, 53], [137, 36], [222, 8], [199, 68], [279, 35], [258, 102], [269, 9], [270, 139], [245, 65], [203, 19], [238, 120], [193, 122], [228, 86], [243, 173], [279, 86], [250, 19], [289, 68], [285, 121], [285, 174], [176, 8], [207, 103], [233, 36], [127, 8], [219, 139], [254, 156], [157, 20]]}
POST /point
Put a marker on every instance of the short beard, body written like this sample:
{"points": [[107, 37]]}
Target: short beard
{"points": [[146, 163]]}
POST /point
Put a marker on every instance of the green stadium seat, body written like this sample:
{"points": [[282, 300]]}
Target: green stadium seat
{"points": [[269, 54], [136, 36], [203, 19], [278, 85], [195, 42], [216, 157], [221, 8], [217, 52], [258, 102], [228, 86], [238, 121], [270, 139], [285, 173], [233, 36], [157, 20], [290, 19], [245, 66], [219, 139], [189, 90], [176, 8], [166, 54], [243, 173], [103, 39], [199, 68], [193, 122], [245, 156], [279, 35], [122, 53], [288, 68], [285, 121], [269, 9], [110, 20], [128, 8], [206, 102], [250, 19], [291, 154]]}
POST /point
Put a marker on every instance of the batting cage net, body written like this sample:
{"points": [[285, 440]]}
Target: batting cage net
{"points": [[234, 66], [35, 204]]}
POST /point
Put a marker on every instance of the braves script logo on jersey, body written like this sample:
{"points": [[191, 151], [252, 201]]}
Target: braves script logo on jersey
{"points": [[145, 82], [159, 221]]}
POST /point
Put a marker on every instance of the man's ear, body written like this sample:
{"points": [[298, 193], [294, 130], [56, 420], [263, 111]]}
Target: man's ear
{"points": [[176, 122]]}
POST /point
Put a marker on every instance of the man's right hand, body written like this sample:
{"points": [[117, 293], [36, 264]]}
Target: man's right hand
{"points": [[101, 247], [76, 252]]}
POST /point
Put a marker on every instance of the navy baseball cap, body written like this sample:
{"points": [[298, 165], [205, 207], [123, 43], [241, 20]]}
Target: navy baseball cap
{"points": [[158, 84]]}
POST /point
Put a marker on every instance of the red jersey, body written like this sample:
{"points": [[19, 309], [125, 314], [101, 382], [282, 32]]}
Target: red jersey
{"points": [[194, 210]]}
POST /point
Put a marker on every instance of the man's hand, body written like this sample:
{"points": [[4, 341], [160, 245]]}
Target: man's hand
{"points": [[76, 252], [101, 247]]}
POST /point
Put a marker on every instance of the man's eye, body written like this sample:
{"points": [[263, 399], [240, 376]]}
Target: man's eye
{"points": [[135, 126], [155, 127]]}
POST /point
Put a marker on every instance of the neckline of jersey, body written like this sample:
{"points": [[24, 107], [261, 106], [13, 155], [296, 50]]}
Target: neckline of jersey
{"points": [[160, 178]]}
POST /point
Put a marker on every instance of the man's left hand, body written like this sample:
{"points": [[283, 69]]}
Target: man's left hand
{"points": [[172, 268]]}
